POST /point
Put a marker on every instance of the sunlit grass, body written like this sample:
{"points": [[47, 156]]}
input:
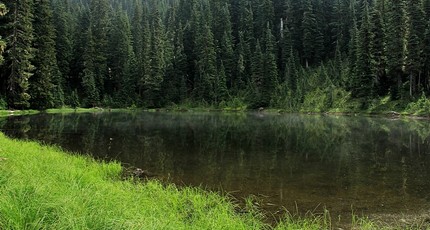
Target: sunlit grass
{"points": [[43, 188], [4, 113]]}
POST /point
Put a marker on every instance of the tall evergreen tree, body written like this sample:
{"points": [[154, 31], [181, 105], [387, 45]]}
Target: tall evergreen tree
{"points": [[64, 28], [205, 62], [362, 81], [19, 35], [100, 24], [312, 37], [138, 39], [221, 91], [377, 51], [257, 76], [45, 87], [270, 79], [415, 36], [395, 46], [152, 83], [120, 55], [90, 90]]}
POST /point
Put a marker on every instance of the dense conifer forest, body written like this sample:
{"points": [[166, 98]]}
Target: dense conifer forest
{"points": [[289, 54]]}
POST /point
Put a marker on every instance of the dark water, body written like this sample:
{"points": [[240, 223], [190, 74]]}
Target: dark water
{"points": [[300, 162]]}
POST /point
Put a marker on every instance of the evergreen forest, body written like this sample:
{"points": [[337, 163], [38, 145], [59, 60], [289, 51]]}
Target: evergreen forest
{"points": [[296, 55]]}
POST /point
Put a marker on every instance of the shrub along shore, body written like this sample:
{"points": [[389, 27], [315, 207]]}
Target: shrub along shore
{"points": [[44, 187]]}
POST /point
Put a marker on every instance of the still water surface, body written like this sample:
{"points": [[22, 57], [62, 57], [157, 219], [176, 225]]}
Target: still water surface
{"points": [[300, 162]]}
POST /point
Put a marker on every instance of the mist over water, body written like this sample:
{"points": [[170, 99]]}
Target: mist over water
{"points": [[300, 162]]}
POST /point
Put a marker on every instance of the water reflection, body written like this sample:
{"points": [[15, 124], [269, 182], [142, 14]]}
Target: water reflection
{"points": [[371, 164]]}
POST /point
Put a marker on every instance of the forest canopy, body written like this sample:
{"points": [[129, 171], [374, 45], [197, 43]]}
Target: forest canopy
{"points": [[289, 54]]}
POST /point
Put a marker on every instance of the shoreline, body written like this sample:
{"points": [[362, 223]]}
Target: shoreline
{"points": [[384, 114]]}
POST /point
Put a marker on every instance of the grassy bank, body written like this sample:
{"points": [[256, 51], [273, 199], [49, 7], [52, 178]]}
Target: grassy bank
{"points": [[4, 113], [44, 188]]}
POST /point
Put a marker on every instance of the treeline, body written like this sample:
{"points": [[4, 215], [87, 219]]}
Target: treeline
{"points": [[289, 54]]}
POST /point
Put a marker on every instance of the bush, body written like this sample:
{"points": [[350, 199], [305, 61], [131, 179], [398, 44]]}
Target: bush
{"points": [[420, 107]]}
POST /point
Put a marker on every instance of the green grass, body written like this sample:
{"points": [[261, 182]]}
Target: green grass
{"points": [[4, 113], [83, 110], [44, 188]]}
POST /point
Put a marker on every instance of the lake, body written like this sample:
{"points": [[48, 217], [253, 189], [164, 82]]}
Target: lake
{"points": [[296, 162]]}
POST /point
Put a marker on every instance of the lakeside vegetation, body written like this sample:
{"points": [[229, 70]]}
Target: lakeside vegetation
{"points": [[297, 56]]}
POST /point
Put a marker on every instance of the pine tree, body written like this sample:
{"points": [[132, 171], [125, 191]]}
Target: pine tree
{"points": [[80, 45], [64, 28], [45, 87], [179, 66], [286, 47], [19, 53], [120, 56], [91, 92], [246, 42], [377, 52], [225, 50], [395, 46], [264, 12], [312, 37], [417, 26], [146, 54], [205, 62], [138, 39], [152, 83], [221, 91], [352, 45], [362, 81], [257, 76], [270, 80], [100, 24]]}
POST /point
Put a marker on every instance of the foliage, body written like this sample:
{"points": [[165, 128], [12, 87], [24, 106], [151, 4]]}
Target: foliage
{"points": [[420, 107], [155, 53]]}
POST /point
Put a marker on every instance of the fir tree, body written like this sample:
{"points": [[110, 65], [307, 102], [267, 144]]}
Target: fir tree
{"points": [[257, 76], [312, 38], [64, 28], [91, 92], [100, 24], [395, 46], [362, 81], [270, 79], [120, 57], [19, 53], [138, 39], [417, 26], [152, 82], [377, 52], [45, 87], [221, 91]]}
